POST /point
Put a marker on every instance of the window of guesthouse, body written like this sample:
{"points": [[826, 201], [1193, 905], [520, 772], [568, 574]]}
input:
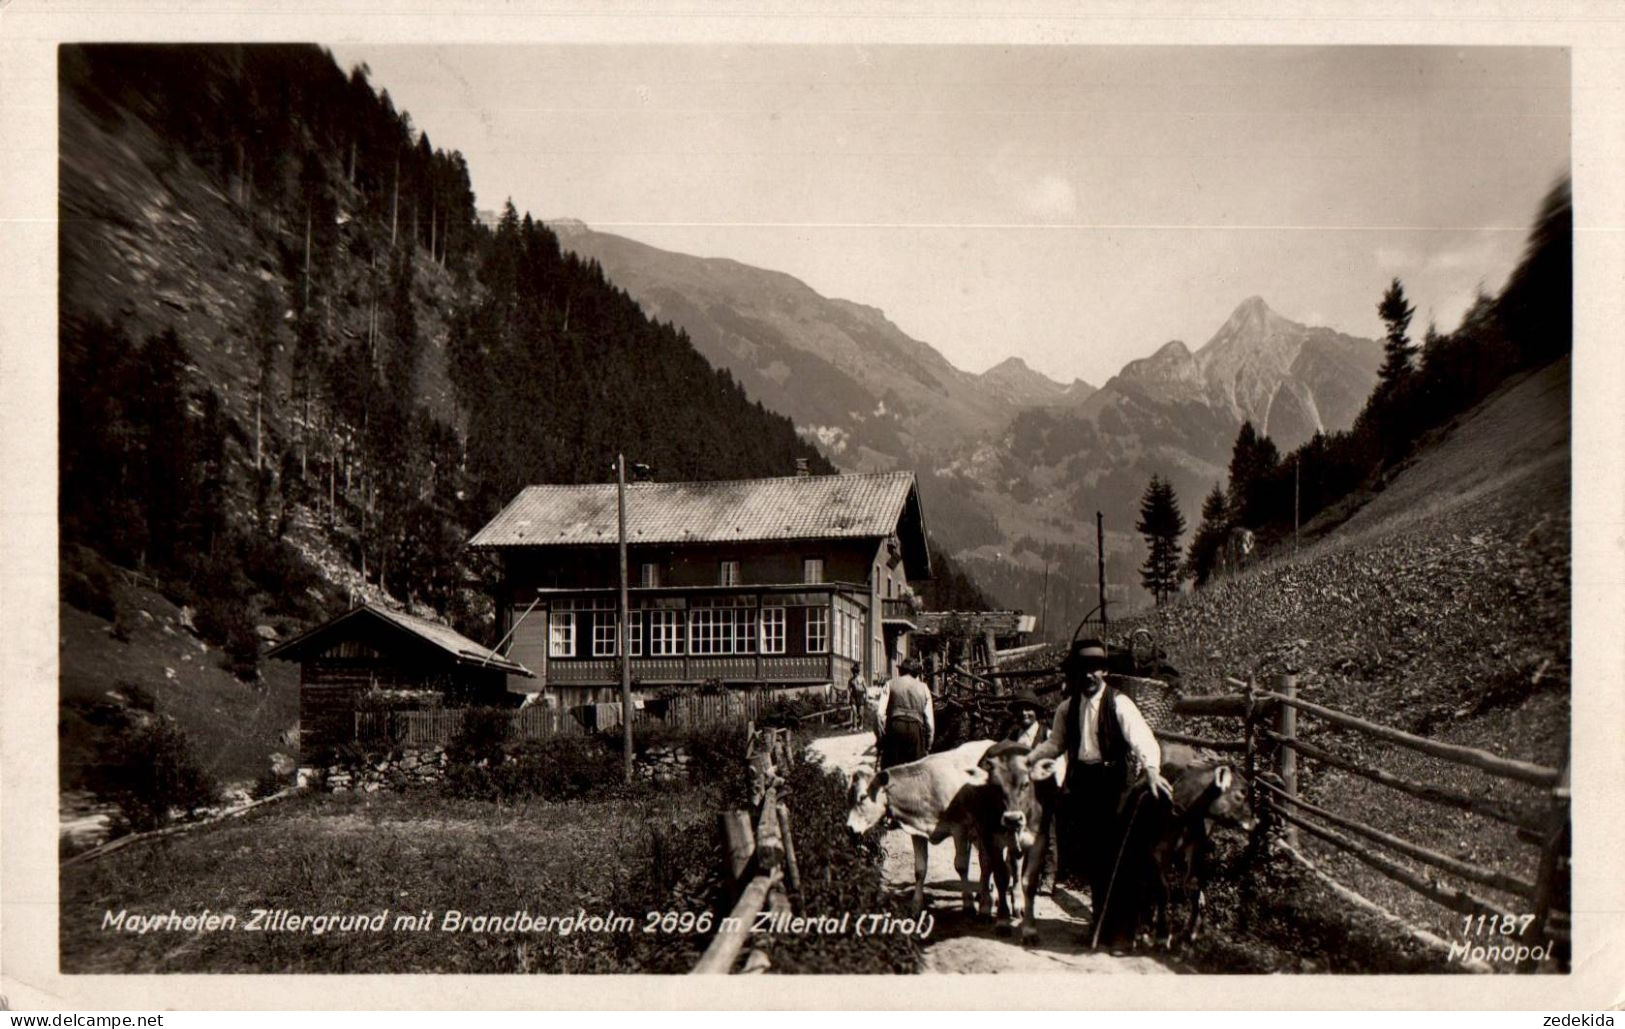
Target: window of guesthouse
{"points": [[817, 630], [728, 573], [561, 633], [773, 634], [665, 632], [722, 625], [812, 569]]}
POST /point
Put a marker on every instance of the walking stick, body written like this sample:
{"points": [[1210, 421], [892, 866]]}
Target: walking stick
{"points": [[1111, 884]]}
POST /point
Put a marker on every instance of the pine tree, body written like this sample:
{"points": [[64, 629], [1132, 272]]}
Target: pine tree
{"points": [[1209, 536], [1161, 524], [1396, 346], [1252, 458]]}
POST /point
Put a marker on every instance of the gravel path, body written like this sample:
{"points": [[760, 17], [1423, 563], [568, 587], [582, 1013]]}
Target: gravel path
{"points": [[960, 943]]}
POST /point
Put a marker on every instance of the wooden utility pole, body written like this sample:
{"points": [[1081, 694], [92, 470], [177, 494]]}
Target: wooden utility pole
{"points": [[1043, 605], [623, 636], [1100, 556], [1297, 473]]}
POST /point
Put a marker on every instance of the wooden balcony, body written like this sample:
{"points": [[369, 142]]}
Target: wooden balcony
{"points": [[652, 671], [899, 614]]}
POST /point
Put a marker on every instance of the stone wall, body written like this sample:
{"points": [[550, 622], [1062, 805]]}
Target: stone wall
{"points": [[411, 767]]}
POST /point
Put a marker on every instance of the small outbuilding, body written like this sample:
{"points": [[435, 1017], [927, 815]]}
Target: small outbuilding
{"points": [[371, 651]]}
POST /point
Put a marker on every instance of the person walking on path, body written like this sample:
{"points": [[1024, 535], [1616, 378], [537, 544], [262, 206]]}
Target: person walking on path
{"points": [[857, 695], [909, 721], [1109, 747]]}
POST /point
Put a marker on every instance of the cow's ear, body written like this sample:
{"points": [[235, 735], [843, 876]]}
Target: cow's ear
{"points": [[1222, 777], [1043, 769]]}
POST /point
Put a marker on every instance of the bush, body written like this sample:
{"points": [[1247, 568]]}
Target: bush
{"points": [[481, 737], [838, 874], [789, 711], [269, 783], [716, 752], [565, 768], [87, 584], [151, 772], [136, 695], [224, 622]]}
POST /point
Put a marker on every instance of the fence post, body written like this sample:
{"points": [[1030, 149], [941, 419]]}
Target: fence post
{"points": [[741, 844], [1551, 885], [1286, 757], [1250, 728]]}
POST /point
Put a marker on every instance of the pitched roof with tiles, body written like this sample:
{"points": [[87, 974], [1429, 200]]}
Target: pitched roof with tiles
{"points": [[789, 508], [462, 649]]}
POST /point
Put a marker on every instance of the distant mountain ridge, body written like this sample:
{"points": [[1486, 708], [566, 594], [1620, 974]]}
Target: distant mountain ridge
{"points": [[1011, 462], [872, 396], [1021, 386]]}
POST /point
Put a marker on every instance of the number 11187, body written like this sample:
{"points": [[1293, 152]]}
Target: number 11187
{"points": [[1495, 925]]}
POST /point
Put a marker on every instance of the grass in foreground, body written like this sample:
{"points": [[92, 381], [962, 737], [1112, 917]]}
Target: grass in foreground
{"points": [[407, 854]]}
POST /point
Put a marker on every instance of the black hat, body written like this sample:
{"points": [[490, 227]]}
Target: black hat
{"points": [[1027, 698], [1085, 656]]}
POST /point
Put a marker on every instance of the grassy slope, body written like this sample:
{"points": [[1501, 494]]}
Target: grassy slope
{"points": [[234, 727], [1442, 607]]}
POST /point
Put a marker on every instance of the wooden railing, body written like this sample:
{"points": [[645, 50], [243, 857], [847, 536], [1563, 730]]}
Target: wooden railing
{"points": [[1270, 718], [761, 856]]}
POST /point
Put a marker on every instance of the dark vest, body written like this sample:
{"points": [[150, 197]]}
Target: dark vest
{"points": [[1113, 744]]}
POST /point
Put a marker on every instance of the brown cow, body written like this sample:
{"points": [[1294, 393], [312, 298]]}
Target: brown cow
{"points": [[1014, 816], [931, 799], [1170, 847]]}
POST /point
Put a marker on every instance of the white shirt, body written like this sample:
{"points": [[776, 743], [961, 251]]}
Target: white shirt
{"points": [[1142, 742]]}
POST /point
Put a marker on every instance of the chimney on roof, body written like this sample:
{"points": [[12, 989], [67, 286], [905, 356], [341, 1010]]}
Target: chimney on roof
{"points": [[802, 470]]}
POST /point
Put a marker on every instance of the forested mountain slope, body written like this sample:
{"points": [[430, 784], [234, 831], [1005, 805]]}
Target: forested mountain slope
{"points": [[295, 369]]}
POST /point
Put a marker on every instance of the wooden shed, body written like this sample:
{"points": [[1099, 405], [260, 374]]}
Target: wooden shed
{"points": [[370, 650]]}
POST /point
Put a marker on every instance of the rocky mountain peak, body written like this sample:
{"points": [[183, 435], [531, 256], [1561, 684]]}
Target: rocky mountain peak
{"points": [[567, 228], [1008, 366]]}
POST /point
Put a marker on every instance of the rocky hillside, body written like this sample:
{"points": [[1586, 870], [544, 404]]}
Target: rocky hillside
{"points": [[1174, 413]]}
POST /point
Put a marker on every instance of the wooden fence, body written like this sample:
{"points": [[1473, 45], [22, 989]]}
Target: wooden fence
{"points": [[760, 858], [437, 726], [1270, 720]]}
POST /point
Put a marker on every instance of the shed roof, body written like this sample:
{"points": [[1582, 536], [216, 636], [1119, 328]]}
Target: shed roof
{"points": [[874, 505], [458, 647], [1001, 623]]}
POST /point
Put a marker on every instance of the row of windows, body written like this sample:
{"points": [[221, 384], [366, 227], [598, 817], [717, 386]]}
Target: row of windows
{"points": [[702, 631], [812, 570]]}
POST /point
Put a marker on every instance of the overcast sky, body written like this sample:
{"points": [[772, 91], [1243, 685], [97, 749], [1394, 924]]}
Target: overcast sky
{"points": [[1073, 206]]}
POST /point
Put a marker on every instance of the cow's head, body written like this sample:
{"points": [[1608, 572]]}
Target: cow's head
{"points": [[1228, 803], [866, 800], [1012, 780]]}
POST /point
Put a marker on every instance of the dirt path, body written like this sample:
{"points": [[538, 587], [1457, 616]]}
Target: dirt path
{"points": [[961, 943]]}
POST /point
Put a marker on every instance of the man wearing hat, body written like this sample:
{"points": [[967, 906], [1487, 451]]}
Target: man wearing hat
{"points": [[1108, 747]]}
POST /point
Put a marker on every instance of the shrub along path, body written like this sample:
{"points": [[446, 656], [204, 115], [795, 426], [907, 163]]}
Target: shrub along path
{"points": [[964, 944]]}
